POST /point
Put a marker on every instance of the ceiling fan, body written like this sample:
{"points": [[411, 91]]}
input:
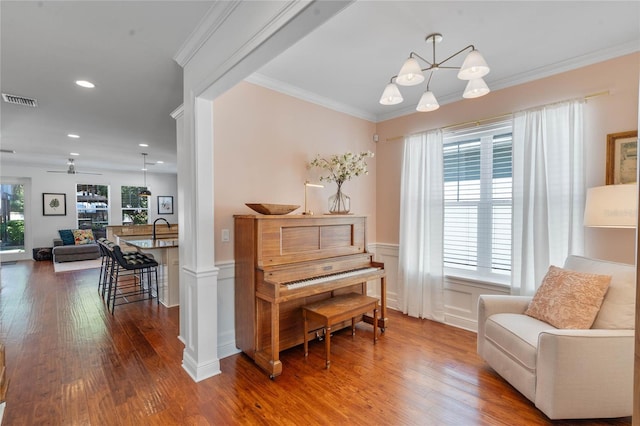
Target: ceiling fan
{"points": [[72, 170]]}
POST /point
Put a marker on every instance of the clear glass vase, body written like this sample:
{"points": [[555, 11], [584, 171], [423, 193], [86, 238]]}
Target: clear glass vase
{"points": [[339, 203]]}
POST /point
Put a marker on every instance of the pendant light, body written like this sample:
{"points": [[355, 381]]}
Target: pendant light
{"points": [[145, 192]]}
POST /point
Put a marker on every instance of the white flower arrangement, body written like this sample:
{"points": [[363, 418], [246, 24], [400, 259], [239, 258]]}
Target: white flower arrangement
{"points": [[343, 167]]}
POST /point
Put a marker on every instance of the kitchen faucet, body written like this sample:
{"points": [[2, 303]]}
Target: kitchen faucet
{"points": [[154, 225]]}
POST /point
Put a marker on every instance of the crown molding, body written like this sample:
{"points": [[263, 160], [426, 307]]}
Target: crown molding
{"points": [[296, 92], [567, 65], [178, 112], [208, 25]]}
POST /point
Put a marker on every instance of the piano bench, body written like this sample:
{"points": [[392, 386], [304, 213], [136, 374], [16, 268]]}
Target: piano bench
{"points": [[335, 310]]}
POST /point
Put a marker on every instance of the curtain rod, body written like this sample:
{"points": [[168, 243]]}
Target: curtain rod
{"points": [[497, 117]]}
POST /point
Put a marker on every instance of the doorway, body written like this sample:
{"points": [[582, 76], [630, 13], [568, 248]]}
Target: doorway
{"points": [[12, 219]]}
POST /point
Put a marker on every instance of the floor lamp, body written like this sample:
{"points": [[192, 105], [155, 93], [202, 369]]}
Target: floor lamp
{"points": [[616, 206]]}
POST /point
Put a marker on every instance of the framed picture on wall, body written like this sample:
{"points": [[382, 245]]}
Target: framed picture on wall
{"points": [[54, 204], [622, 157], [165, 204]]}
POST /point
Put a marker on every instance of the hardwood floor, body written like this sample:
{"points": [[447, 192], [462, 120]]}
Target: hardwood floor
{"points": [[69, 362]]}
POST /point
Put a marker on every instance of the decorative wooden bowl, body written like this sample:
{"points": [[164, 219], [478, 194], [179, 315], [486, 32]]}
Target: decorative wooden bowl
{"points": [[272, 209]]}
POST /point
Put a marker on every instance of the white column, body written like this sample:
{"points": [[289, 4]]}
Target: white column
{"points": [[198, 273]]}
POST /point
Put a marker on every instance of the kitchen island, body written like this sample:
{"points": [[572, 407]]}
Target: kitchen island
{"points": [[165, 252]]}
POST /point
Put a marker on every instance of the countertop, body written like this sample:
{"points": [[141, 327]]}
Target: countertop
{"points": [[151, 243]]}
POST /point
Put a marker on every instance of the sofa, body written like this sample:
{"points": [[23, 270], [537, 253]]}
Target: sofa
{"points": [[75, 245], [566, 373]]}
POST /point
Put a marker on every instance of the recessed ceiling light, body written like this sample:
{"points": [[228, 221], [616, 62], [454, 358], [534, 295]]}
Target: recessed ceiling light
{"points": [[74, 153], [85, 83], [159, 162], [143, 144], [71, 135]]}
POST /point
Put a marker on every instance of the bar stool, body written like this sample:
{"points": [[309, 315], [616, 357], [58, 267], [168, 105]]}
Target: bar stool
{"points": [[105, 266], [130, 277]]}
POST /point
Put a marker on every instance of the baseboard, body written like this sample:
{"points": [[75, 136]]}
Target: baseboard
{"points": [[202, 371], [227, 344]]}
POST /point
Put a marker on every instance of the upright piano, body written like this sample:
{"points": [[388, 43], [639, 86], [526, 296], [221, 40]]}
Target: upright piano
{"points": [[285, 262]]}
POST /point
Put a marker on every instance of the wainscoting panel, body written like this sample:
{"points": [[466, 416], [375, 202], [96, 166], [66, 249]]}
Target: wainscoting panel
{"points": [[226, 314], [388, 254], [461, 301]]}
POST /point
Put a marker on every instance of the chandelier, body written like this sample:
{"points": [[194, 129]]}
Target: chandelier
{"points": [[472, 70]]}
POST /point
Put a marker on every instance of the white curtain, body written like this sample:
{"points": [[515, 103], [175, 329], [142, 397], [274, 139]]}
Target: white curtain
{"points": [[420, 271], [548, 191]]}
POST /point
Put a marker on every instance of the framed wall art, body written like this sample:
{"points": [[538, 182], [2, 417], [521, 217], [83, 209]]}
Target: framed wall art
{"points": [[622, 157], [54, 204], [165, 204]]}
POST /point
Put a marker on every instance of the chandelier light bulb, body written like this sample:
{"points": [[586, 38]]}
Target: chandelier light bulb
{"points": [[391, 95], [410, 74], [473, 67], [475, 88], [428, 102]]}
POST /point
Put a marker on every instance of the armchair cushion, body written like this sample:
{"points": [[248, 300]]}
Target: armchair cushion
{"points": [[569, 299], [500, 329], [618, 310]]}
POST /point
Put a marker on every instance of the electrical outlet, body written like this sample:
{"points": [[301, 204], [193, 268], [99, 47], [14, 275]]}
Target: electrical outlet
{"points": [[225, 235]]}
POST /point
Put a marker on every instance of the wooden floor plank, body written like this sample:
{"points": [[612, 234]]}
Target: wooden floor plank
{"points": [[70, 362]]}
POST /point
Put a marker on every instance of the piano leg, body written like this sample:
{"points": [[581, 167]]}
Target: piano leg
{"points": [[269, 360], [382, 321]]}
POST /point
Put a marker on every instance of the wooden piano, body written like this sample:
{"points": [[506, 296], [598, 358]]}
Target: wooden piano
{"points": [[285, 262]]}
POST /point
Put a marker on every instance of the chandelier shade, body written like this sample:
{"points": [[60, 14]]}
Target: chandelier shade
{"points": [[410, 74], [391, 95], [475, 88], [428, 102], [473, 68]]}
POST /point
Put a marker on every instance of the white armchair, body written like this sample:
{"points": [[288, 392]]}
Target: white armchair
{"points": [[567, 374]]}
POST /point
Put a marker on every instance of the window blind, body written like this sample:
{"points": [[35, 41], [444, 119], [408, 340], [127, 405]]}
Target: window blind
{"points": [[477, 194]]}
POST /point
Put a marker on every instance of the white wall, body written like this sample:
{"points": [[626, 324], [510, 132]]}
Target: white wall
{"points": [[41, 230]]}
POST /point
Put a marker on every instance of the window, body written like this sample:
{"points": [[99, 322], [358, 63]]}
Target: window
{"points": [[477, 201], [12, 218], [135, 209], [92, 203]]}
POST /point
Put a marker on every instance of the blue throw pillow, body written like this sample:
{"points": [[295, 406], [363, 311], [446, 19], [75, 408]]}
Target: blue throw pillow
{"points": [[66, 235]]}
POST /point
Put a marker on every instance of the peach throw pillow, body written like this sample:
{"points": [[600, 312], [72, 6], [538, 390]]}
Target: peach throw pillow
{"points": [[569, 299]]}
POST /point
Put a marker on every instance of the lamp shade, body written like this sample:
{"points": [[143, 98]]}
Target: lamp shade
{"points": [[612, 206], [428, 102], [475, 89], [391, 95], [410, 74], [474, 66], [145, 193]]}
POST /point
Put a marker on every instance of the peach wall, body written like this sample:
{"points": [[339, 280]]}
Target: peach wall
{"points": [[262, 143], [616, 112]]}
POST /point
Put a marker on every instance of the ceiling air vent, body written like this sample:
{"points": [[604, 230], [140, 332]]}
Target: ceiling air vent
{"points": [[20, 100]]}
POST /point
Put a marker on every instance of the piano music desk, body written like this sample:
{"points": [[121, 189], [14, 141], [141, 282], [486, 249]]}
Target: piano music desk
{"points": [[337, 309]]}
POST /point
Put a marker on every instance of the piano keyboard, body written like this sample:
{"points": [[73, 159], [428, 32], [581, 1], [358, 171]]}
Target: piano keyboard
{"points": [[331, 277]]}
